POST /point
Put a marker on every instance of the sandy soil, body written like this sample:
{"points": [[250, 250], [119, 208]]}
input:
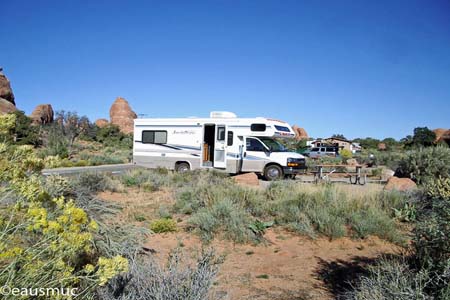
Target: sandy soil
{"points": [[285, 267]]}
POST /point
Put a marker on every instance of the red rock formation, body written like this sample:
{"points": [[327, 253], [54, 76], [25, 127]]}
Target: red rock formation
{"points": [[300, 133], [442, 134], [101, 123], [122, 115], [6, 107], [400, 184], [247, 179], [42, 114], [5, 89], [7, 104]]}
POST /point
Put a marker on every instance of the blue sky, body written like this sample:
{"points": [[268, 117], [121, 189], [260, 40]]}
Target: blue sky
{"points": [[361, 68]]}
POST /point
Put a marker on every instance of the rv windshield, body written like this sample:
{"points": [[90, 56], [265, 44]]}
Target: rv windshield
{"points": [[273, 145]]}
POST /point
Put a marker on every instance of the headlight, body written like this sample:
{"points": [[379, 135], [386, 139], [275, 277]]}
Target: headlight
{"points": [[292, 162]]}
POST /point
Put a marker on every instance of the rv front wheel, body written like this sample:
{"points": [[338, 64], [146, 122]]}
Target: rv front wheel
{"points": [[273, 172], [182, 167]]}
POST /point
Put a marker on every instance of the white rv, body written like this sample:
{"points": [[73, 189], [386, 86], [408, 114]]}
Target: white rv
{"points": [[223, 141]]}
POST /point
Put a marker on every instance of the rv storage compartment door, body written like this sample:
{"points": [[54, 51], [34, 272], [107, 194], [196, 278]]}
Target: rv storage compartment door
{"points": [[220, 151]]}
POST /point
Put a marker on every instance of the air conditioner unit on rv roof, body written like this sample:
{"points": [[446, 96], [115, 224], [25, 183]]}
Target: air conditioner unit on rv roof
{"points": [[222, 114]]}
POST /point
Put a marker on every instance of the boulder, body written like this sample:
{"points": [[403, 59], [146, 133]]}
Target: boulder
{"points": [[42, 114], [6, 107], [101, 123], [122, 115], [5, 89], [247, 179], [387, 173], [400, 184], [300, 133]]}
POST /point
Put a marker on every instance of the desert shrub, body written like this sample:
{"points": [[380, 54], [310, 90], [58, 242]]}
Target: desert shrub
{"points": [[391, 279], [345, 154], [24, 133], [163, 225], [432, 232], [147, 280], [426, 164], [319, 210], [111, 136], [224, 217], [97, 160], [45, 240], [93, 182], [438, 189], [329, 211], [55, 142]]}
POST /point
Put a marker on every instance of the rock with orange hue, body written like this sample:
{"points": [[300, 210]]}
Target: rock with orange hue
{"points": [[5, 89], [6, 107], [101, 123], [300, 133], [247, 179], [400, 184], [42, 114], [442, 135], [381, 146], [122, 115]]}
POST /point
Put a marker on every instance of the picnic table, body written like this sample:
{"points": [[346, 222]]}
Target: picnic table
{"points": [[355, 177]]}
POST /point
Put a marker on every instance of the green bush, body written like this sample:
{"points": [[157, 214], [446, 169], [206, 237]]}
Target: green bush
{"points": [[163, 225], [426, 164]]}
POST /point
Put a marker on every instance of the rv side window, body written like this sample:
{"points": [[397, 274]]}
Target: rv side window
{"points": [[282, 128], [154, 137], [221, 133], [258, 127], [230, 138]]}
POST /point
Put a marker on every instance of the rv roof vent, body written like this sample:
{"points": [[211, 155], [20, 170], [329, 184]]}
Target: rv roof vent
{"points": [[222, 114]]}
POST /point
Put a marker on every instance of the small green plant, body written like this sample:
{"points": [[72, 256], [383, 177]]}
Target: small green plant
{"points": [[262, 276], [163, 225], [258, 227], [406, 214], [140, 217]]}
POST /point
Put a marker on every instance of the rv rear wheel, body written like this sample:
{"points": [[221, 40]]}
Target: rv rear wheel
{"points": [[182, 167], [273, 172]]}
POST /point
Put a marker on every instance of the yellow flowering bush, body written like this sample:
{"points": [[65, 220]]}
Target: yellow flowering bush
{"points": [[45, 241]]}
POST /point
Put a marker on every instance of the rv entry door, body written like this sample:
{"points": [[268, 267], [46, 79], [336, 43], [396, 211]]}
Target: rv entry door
{"points": [[220, 149]]}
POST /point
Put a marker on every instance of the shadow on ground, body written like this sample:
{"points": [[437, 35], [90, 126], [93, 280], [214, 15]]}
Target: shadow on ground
{"points": [[340, 275]]}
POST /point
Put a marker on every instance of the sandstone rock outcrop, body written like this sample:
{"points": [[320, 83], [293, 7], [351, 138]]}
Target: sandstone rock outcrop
{"points": [[122, 115], [42, 114], [7, 103], [400, 184], [247, 179], [442, 135], [300, 133], [101, 123], [6, 106], [5, 89]]}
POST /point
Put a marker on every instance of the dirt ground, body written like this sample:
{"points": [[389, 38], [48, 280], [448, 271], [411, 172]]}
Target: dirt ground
{"points": [[286, 267]]}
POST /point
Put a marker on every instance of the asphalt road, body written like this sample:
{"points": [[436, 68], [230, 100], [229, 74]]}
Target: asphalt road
{"points": [[114, 169]]}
